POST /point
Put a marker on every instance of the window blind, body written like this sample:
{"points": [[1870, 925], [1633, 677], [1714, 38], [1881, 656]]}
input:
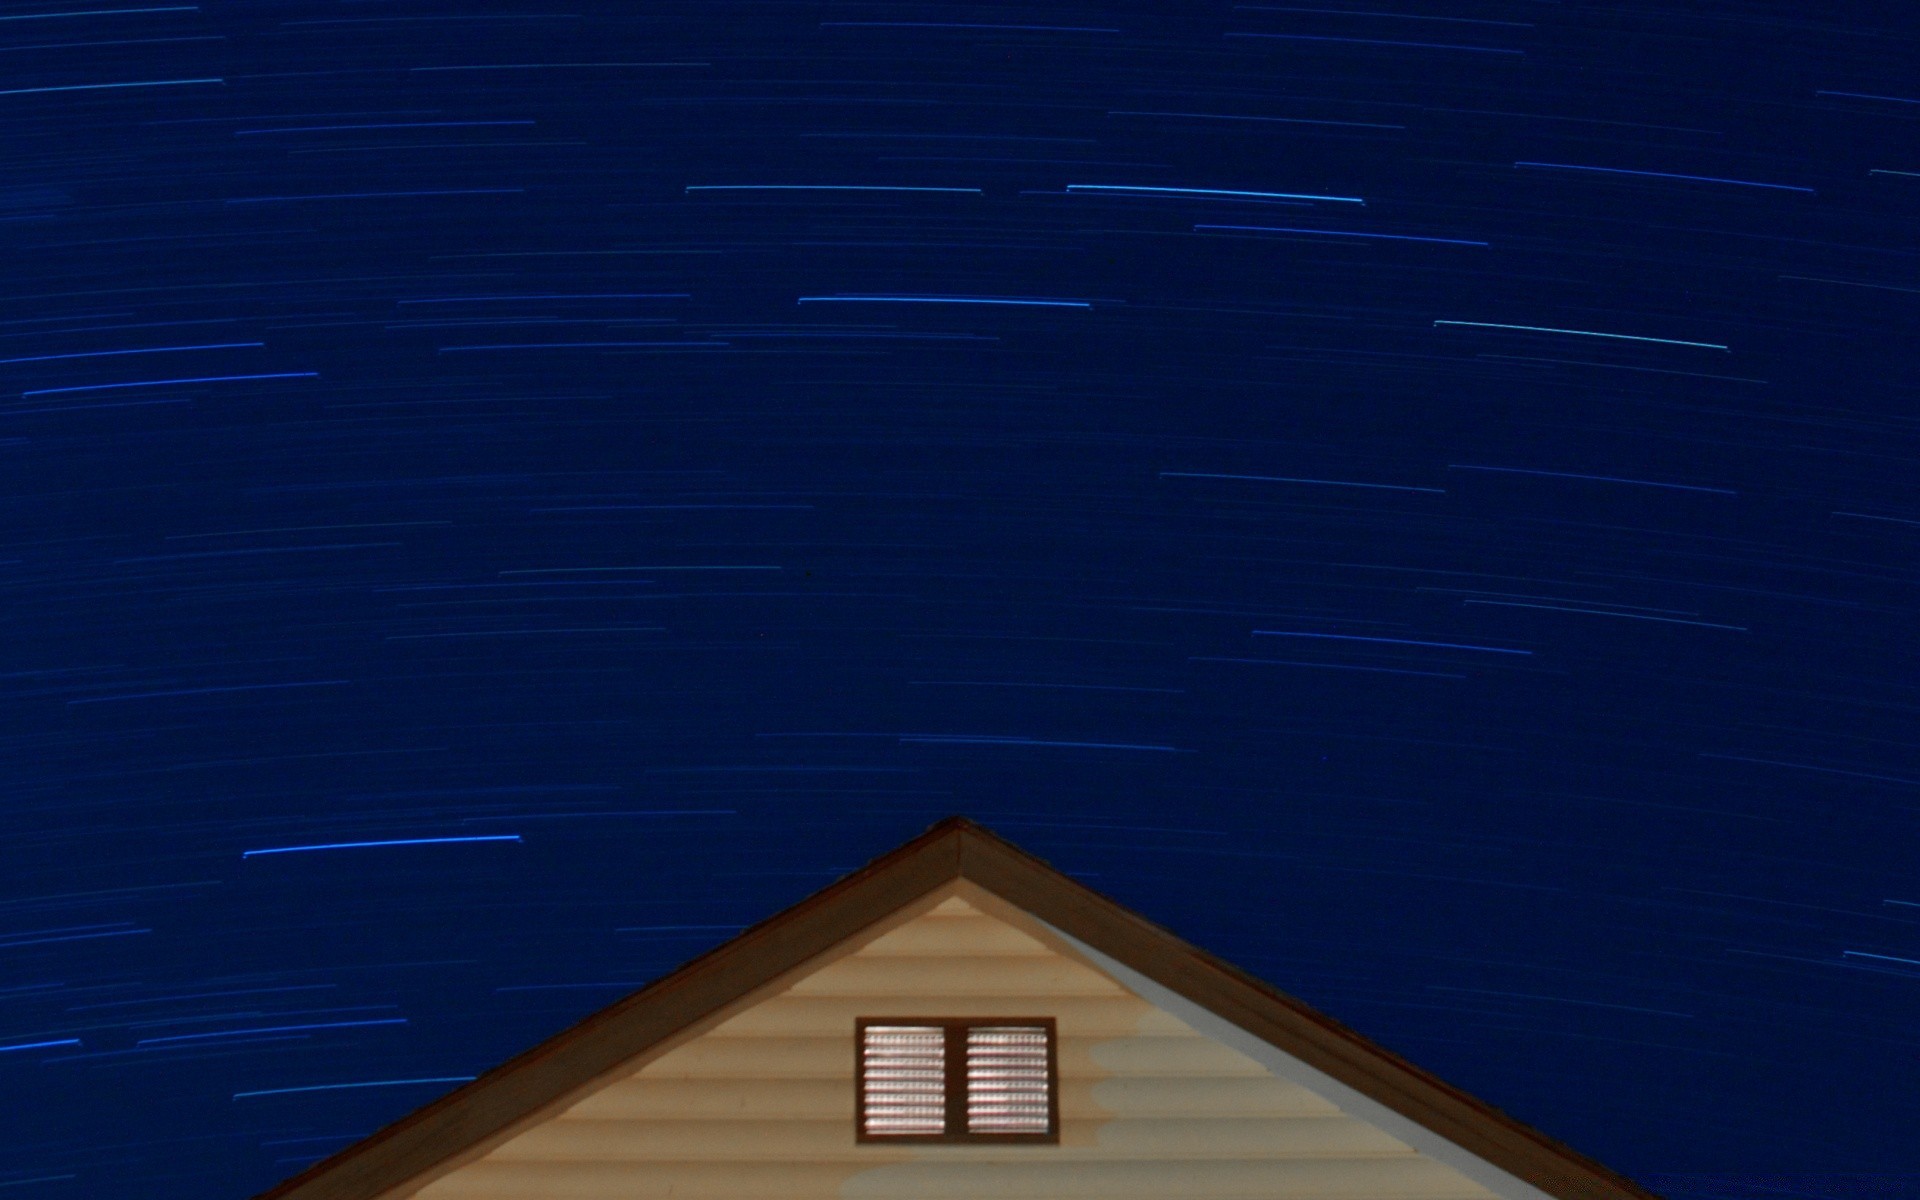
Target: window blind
{"points": [[904, 1079], [1007, 1079]]}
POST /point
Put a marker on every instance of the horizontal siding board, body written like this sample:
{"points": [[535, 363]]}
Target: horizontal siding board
{"points": [[773, 1099], [757, 1058], [1111, 1015], [1186, 1138], [1201, 1096], [1408, 1178], [715, 1056], [970, 936], [1036, 1179], [490, 1180], [1191, 1055], [830, 1140], [743, 1099], [934, 976]]}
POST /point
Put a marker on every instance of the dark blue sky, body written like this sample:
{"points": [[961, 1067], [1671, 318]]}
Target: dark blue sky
{"points": [[1418, 498]]}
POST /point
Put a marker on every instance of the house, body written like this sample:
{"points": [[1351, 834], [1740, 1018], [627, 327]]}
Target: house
{"points": [[957, 1020]]}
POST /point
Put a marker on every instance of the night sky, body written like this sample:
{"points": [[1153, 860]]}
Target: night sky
{"points": [[1418, 498]]}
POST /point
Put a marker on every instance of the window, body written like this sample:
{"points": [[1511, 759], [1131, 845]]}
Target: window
{"points": [[955, 1079]]}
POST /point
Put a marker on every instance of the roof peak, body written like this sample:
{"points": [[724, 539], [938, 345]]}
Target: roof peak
{"points": [[572, 1063]]}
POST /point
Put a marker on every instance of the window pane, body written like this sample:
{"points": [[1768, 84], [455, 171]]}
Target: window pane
{"points": [[1007, 1079], [904, 1068]]}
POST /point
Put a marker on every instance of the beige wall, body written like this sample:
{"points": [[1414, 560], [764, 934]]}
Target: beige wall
{"points": [[762, 1104]]}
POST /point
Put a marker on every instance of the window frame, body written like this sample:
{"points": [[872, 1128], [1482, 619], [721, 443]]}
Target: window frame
{"points": [[954, 1083]]}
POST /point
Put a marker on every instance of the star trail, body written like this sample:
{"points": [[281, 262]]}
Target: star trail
{"points": [[1421, 500]]}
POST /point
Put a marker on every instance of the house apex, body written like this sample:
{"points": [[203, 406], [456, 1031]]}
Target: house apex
{"points": [[950, 826], [956, 861]]}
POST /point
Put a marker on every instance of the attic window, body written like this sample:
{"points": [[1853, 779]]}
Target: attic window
{"points": [[957, 1079]]}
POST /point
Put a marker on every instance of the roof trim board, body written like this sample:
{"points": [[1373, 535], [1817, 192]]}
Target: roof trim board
{"points": [[465, 1123]]}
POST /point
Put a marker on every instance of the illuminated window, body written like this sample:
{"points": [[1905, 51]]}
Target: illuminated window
{"points": [[957, 1079]]}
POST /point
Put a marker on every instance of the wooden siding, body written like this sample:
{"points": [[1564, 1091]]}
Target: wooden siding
{"points": [[761, 1105]]}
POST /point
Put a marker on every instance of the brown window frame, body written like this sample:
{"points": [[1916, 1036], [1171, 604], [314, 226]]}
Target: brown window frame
{"points": [[954, 1086]]}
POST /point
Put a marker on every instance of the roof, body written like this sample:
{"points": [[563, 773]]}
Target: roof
{"points": [[453, 1127]]}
